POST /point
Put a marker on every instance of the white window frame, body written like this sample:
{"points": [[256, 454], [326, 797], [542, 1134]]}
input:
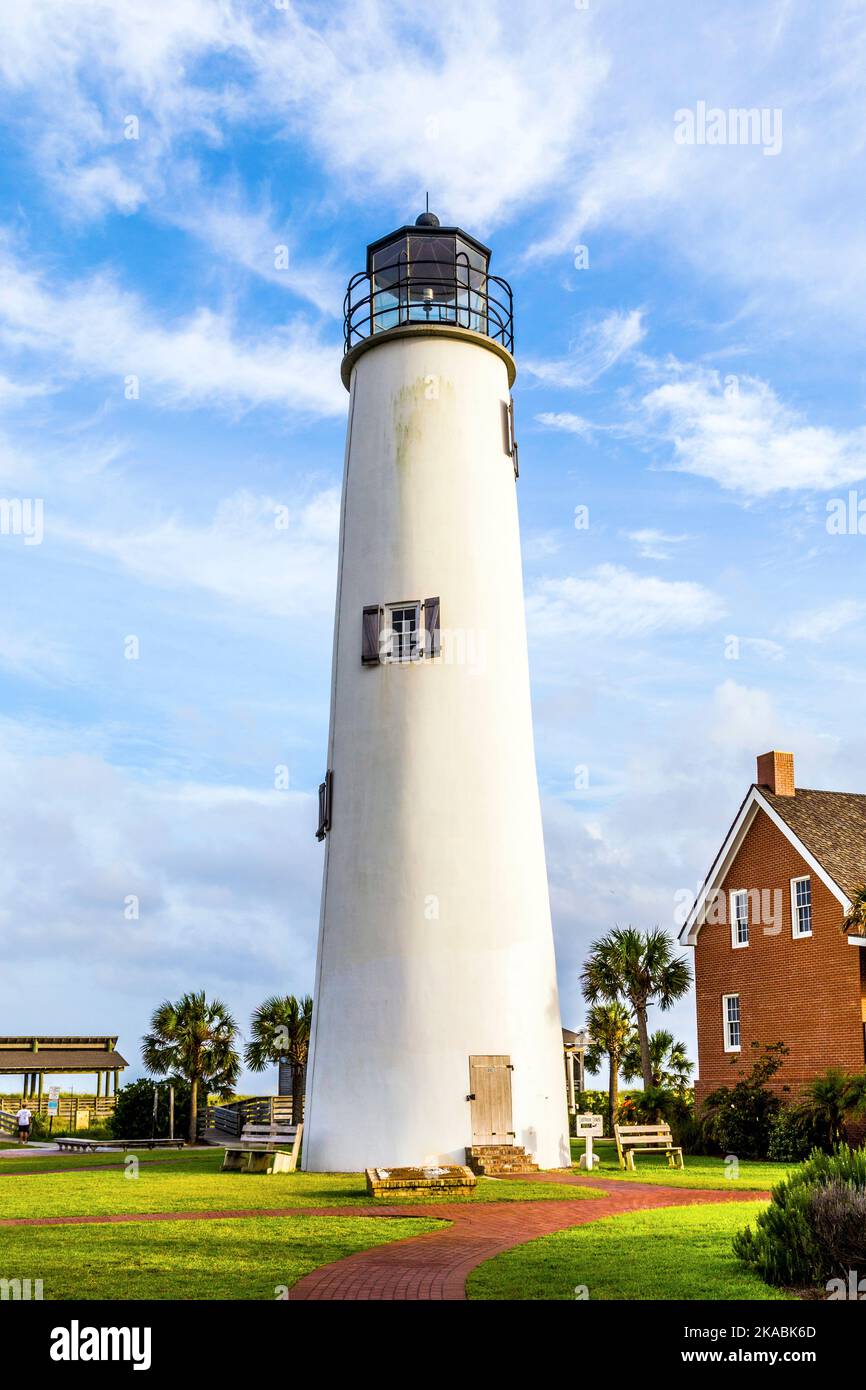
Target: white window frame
{"points": [[795, 912], [732, 900], [392, 608], [726, 1024]]}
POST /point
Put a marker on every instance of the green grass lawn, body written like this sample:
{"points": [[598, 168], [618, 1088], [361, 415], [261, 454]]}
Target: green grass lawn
{"points": [[194, 1183], [238, 1259], [38, 1158], [674, 1253], [700, 1171]]}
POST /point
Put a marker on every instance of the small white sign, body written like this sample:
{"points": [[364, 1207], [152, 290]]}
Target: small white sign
{"points": [[53, 1099], [590, 1124]]}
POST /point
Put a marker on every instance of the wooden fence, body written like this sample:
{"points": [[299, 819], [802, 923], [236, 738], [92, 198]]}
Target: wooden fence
{"points": [[74, 1111], [257, 1110]]}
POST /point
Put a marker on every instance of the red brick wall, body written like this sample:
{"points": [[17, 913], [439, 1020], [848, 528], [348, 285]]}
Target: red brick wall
{"points": [[807, 992]]}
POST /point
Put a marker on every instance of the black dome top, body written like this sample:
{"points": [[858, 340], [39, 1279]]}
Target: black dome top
{"points": [[427, 219]]}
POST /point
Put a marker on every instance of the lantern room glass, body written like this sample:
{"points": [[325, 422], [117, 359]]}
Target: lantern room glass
{"points": [[424, 276]]}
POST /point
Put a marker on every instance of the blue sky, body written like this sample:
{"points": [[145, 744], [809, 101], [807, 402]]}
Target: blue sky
{"points": [[165, 387]]}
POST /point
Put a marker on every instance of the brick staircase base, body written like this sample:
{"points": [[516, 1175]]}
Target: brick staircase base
{"points": [[495, 1160]]}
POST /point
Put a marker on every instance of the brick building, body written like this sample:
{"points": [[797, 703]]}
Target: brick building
{"points": [[772, 959]]}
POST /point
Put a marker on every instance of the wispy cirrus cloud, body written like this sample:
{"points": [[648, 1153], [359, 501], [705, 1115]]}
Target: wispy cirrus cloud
{"points": [[828, 620], [95, 328], [601, 344], [653, 544], [615, 602], [255, 552]]}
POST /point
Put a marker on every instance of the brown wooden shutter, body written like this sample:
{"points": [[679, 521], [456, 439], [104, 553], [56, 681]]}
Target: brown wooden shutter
{"points": [[512, 440], [326, 789], [372, 627], [431, 626]]}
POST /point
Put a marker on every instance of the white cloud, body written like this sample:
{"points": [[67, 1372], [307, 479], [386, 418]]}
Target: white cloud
{"points": [[764, 225], [745, 719], [95, 328], [601, 344], [571, 424], [747, 440], [614, 602], [653, 544], [483, 107], [821, 623], [252, 238], [763, 647], [253, 553], [213, 869]]}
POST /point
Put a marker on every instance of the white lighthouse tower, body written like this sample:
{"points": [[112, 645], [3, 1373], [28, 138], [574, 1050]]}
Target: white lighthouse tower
{"points": [[436, 1025]]}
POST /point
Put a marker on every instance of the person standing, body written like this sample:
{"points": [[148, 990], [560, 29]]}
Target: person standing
{"points": [[24, 1116]]}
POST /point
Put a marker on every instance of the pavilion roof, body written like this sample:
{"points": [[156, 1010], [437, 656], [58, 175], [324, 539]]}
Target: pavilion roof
{"points": [[60, 1054]]}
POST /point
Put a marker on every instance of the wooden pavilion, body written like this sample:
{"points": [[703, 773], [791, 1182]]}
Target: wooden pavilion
{"points": [[34, 1058]]}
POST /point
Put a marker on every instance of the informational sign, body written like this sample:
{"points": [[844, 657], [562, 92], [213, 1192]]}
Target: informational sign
{"points": [[53, 1100], [590, 1124], [588, 1127]]}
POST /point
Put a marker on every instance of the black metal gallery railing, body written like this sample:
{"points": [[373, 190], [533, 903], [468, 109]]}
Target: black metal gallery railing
{"points": [[428, 292]]}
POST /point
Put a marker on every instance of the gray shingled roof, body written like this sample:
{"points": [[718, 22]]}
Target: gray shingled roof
{"points": [[833, 826]]}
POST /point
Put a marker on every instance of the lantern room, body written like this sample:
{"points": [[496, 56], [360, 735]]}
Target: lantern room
{"points": [[428, 274]]}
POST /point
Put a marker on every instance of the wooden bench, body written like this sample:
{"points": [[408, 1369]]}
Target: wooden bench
{"points": [[75, 1145], [648, 1139], [263, 1149]]}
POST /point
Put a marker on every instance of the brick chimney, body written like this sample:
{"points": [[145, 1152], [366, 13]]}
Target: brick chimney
{"points": [[776, 773]]}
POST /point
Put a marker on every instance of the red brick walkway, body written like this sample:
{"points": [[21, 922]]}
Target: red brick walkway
{"points": [[436, 1265]]}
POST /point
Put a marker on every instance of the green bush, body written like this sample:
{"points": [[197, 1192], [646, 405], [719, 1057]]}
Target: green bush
{"points": [[739, 1119], [796, 1241], [133, 1114], [792, 1136]]}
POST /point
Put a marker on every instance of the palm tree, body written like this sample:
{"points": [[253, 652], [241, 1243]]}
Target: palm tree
{"points": [[281, 1034], [670, 1067], [611, 1029], [855, 919], [828, 1099], [641, 968], [194, 1039]]}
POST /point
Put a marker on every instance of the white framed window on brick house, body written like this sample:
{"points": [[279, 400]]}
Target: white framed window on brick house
{"points": [[801, 906], [731, 1021], [739, 917]]}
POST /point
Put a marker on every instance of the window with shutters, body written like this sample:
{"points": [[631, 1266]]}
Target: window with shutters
{"points": [[401, 632]]}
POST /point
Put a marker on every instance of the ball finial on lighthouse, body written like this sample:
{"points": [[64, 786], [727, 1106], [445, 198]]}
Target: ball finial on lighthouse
{"points": [[436, 1030]]}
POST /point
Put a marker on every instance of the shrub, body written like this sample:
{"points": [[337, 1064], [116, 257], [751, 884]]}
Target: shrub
{"points": [[133, 1114], [792, 1243], [792, 1136], [836, 1216], [738, 1119]]}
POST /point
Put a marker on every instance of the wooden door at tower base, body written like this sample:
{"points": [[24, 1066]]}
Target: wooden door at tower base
{"points": [[490, 1100]]}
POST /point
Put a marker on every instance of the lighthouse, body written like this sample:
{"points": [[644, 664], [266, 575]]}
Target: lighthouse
{"points": [[436, 1027]]}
